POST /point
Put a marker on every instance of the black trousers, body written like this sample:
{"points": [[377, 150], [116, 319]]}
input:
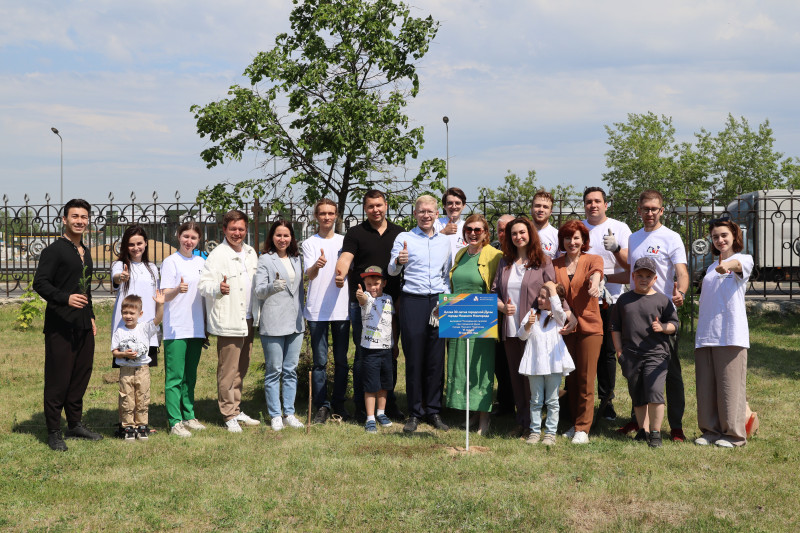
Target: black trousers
{"points": [[424, 353], [676, 397], [607, 363], [505, 396], [68, 359]]}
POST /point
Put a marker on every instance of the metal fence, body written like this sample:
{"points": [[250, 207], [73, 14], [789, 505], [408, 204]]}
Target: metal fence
{"points": [[770, 219]]}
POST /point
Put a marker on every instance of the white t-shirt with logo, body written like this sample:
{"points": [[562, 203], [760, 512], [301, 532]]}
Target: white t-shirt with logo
{"points": [[548, 236], [183, 315], [457, 241], [610, 264], [722, 319], [136, 339], [376, 319], [665, 247], [143, 283], [325, 301]]}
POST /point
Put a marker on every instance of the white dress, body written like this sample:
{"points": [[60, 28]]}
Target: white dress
{"points": [[545, 352]]}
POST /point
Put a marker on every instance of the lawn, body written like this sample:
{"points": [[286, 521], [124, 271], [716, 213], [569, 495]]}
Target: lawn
{"points": [[339, 478]]}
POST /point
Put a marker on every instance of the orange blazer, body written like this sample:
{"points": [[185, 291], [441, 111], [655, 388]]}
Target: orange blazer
{"points": [[585, 308]]}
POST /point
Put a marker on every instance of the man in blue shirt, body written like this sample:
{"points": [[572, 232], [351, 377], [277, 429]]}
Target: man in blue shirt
{"points": [[423, 256]]}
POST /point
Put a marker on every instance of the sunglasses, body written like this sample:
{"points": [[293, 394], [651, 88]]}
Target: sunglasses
{"points": [[473, 230]]}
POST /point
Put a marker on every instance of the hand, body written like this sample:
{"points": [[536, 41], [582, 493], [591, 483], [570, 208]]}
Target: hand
{"points": [[657, 327], [610, 242], [94, 328], [570, 326], [279, 284], [183, 287], [158, 297], [510, 309], [321, 261], [224, 288], [130, 354], [677, 297], [722, 268], [594, 291], [551, 287], [450, 228], [361, 295], [339, 278], [402, 257], [78, 301], [124, 275]]}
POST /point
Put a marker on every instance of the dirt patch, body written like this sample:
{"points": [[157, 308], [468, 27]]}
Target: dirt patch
{"points": [[460, 450]]}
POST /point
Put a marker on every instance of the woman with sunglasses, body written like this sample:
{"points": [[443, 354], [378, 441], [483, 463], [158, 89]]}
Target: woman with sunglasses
{"points": [[473, 272]]}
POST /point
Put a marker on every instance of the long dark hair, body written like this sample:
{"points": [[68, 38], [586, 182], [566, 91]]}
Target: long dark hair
{"points": [[124, 255], [738, 238], [269, 243], [536, 257]]}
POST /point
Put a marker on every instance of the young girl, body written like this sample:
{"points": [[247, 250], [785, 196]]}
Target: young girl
{"points": [[545, 359], [133, 273]]}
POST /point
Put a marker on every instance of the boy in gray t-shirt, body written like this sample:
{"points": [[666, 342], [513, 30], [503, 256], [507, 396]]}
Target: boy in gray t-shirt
{"points": [[641, 322]]}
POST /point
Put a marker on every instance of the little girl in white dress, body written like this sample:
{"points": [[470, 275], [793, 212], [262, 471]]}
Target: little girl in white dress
{"points": [[545, 359]]}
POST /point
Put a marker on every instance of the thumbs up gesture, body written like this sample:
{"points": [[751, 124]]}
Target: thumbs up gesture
{"points": [[279, 284], [124, 275], [183, 287], [321, 261], [224, 288], [610, 242], [339, 278], [677, 297], [451, 228], [510, 309], [402, 257], [657, 326], [361, 296]]}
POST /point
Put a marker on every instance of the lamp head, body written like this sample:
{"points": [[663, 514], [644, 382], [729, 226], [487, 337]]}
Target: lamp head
{"points": [[445, 120], [54, 130]]}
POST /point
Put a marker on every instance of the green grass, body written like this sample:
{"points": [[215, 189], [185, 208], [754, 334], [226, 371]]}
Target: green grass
{"points": [[339, 478]]}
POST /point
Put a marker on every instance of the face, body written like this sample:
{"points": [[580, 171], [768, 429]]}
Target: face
{"points": [[595, 206], [722, 238], [501, 229], [650, 211], [136, 247], [453, 206], [543, 299], [76, 221], [519, 235], [374, 285], [541, 210], [426, 215], [130, 315], [474, 232], [644, 280], [574, 244], [188, 240], [282, 238], [326, 216], [235, 232], [375, 209]]}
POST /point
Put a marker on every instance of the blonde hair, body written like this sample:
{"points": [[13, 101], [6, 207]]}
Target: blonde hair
{"points": [[426, 199]]}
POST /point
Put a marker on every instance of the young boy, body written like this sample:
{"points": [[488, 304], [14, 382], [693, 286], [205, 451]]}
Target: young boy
{"points": [[641, 323], [376, 346], [130, 345]]}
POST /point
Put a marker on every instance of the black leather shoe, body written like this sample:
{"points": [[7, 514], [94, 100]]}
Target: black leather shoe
{"points": [[437, 422], [411, 424], [394, 413], [82, 432], [56, 441], [323, 413]]}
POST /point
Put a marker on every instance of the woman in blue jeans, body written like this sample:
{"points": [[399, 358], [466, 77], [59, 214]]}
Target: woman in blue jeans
{"points": [[279, 287]]}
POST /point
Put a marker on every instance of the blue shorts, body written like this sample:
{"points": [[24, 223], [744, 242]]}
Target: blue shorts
{"points": [[377, 372]]}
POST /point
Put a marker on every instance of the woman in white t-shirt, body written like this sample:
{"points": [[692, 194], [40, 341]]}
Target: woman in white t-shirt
{"points": [[133, 273], [722, 340], [184, 330]]}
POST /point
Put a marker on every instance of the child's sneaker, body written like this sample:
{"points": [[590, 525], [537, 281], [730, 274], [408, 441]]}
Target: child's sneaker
{"points": [[179, 431], [642, 435], [549, 439], [293, 422], [193, 424], [130, 434], [370, 427], [655, 439], [383, 420], [142, 432]]}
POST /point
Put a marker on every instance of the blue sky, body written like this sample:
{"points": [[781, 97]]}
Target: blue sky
{"points": [[526, 85]]}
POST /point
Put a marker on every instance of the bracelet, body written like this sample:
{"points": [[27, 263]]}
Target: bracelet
{"points": [[683, 294]]}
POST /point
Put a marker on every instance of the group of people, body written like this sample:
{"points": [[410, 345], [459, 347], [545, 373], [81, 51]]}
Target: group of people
{"points": [[561, 306]]}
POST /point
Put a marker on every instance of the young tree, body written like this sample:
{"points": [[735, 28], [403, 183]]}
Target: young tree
{"points": [[325, 107]]}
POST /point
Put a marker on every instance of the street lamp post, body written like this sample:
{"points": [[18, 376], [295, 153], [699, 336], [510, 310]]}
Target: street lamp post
{"points": [[447, 135], [61, 198]]}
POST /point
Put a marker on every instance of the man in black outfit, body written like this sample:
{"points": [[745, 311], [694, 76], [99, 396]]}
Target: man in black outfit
{"points": [[62, 279]]}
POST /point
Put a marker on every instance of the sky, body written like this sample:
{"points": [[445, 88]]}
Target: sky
{"points": [[527, 85]]}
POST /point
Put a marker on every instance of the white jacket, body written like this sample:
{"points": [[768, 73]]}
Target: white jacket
{"points": [[226, 314]]}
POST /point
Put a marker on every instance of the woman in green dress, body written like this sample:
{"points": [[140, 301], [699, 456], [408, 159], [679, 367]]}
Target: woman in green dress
{"points": [[473, 271]]}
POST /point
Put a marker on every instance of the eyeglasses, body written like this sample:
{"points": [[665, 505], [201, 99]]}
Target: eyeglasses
{"points": [[650, 209], [477, 231], [427, 213]]}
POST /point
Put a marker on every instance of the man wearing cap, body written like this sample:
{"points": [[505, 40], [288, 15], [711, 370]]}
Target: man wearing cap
{"points": [[423, 256], [666, 249]]}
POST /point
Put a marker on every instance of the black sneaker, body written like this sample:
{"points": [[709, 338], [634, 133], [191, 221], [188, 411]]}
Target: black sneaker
{"points": [[642, 436], [56, 441], [323, 413], [609, 413], [130, 434], [82, 432], [655, 439], [142, 432]]}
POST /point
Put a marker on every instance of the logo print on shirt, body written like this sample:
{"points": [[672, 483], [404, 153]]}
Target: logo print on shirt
{"points": [[653, 251], [547, 246]]}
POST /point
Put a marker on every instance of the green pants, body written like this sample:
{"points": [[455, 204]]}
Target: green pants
{"points": [[181, 357]]}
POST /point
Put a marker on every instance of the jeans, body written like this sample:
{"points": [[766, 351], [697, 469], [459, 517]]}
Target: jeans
{"points": [[358, 385], [340, 332], [544, 391], [281, 355]]}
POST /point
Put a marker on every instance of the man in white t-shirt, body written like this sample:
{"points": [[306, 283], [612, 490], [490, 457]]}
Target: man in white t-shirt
{"points": [[452, 224], [608, 238], [541, 209], [666, 248], [327, 307]]}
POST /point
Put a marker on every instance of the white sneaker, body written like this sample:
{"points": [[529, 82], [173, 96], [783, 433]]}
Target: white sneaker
{"points": [[277, 423], [292, 421], [179, 431], [570, 433], [580, 438], [246, 420], [233, 426], [722, 443], [702, 441], [193, 424]]}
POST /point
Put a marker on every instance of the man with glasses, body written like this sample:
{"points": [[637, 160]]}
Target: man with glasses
{"points": [[541, 209], [424, 257], [452, 224], [666, 248]]}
